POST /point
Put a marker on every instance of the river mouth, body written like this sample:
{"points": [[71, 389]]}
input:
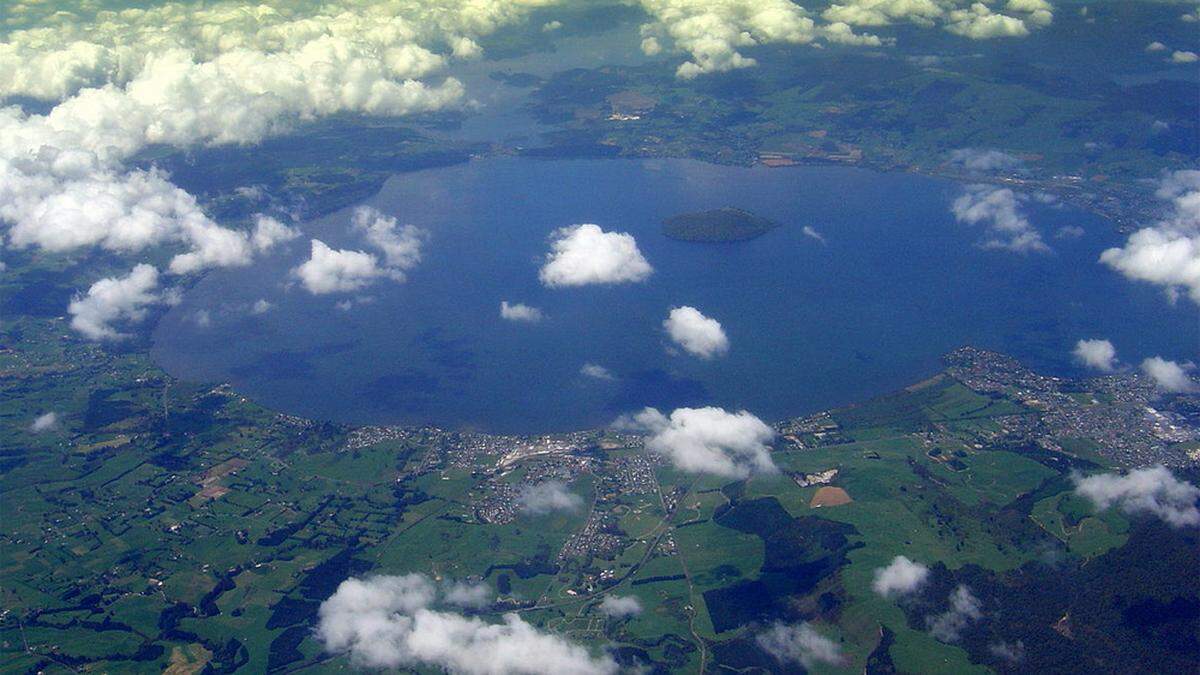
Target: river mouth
{"points": [[892, 282]]}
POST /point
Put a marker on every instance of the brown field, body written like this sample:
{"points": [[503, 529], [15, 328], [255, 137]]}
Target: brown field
{"points": [[830, 496]]}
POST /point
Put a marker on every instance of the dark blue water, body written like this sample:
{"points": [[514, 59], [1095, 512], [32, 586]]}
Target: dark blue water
{"points": [[811, 325]]}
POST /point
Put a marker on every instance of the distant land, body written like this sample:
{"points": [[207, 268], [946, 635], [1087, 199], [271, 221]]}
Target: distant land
{"points": [[717, 225]]}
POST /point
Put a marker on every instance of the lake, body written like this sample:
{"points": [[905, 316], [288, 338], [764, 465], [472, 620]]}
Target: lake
{"points": [[896, 284]]}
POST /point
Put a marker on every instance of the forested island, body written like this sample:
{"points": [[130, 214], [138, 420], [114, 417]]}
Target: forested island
{"points": [[718, 225]]}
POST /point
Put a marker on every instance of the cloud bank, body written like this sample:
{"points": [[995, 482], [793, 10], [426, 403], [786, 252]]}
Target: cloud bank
{"points": [[901, 577], [1153, 490], [395, 622], [697, 334], [974, 20], [583, 255], [707, 440]]}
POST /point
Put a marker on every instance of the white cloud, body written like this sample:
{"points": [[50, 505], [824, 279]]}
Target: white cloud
{"points": [[1168, 252], [331, 270], [697, 334], [974, 20], [468, 595], [1013, 653], [1156, 47], [392, 622], [549, 496], [400, 245], [707, 440], [964, 610], [1184, 57], [984, 160], [261, 306], [1169, 375], [520, 312], [44, 422], [339, 271], [900, 577], [114, 299], [194, 74], [812, 233], [269, 233], [620, 607], [63, 201], [714, 34], [1097, 354], [799, 644], [999, 209], [596, 371], [1154, 490], [1069, 232], [979, 22], [585, 254]]}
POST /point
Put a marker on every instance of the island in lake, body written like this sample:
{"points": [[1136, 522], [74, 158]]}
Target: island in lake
{"points": [[717, 225]]}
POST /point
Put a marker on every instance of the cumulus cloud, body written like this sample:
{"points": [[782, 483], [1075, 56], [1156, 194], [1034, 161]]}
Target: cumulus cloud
{"points": [[707, 440], [812, 233], [261, 306], [221, 72], [1156, 46], [194, 74], [964, 610], [618, 607], [1153, 490], [396, 622], [1168, 252], [520, 312], [549, 496], [974, 20], [329, 270], [112, 300], [984, 160], [1180, 56], [269, 233], [1169, 375], [585, 254], [900, 577], [697, 334], [714, 34], [596, 371], [400, 244], [799, 644], [999, 210], [44, 422], [1097, 354]]}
